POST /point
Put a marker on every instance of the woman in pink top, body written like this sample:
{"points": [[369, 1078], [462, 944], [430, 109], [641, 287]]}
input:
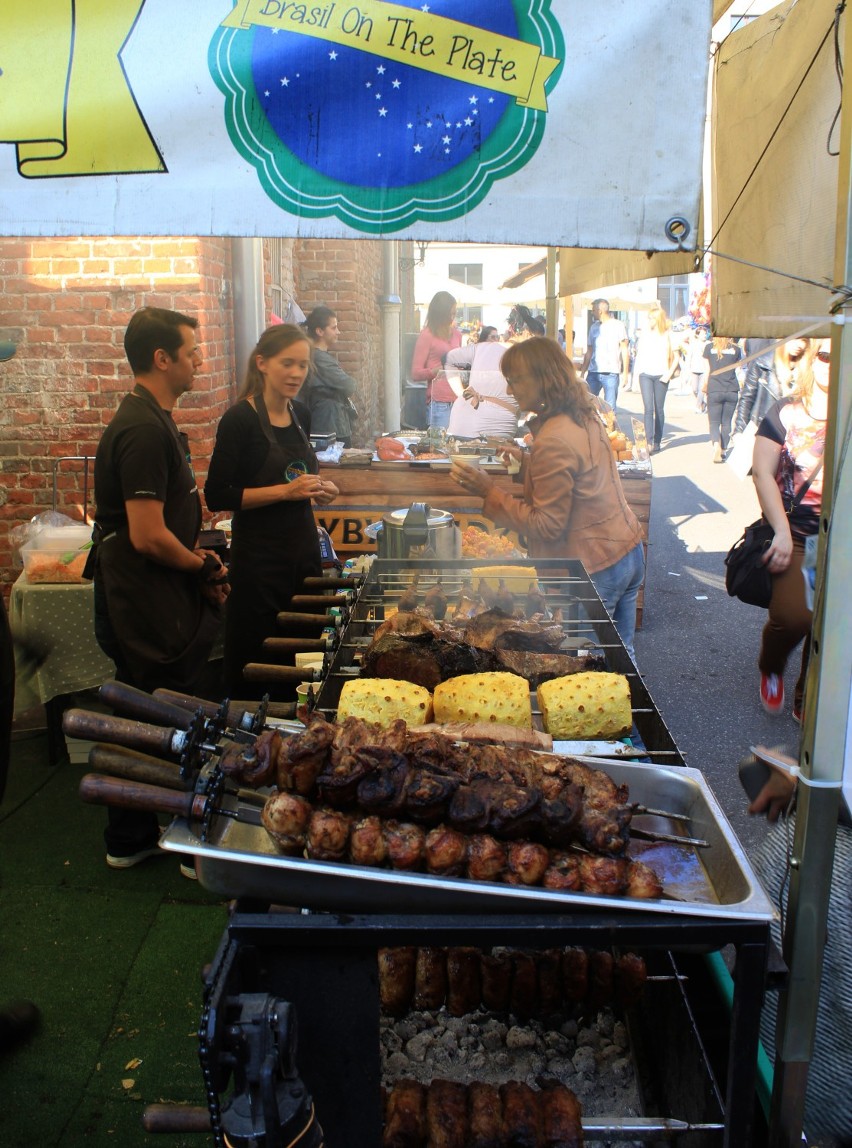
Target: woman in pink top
{"points": [[438, 336]]}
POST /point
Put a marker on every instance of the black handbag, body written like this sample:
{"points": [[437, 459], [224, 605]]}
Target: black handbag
{"points": [[746, 576]]}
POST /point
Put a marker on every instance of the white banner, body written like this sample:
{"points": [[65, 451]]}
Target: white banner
{"points": [[555, 123]]}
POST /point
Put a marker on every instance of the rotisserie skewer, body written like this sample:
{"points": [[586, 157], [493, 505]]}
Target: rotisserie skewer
{"points": [[290, 821]]}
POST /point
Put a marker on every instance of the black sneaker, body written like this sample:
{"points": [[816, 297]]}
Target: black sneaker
{"points": [[133, 858]]}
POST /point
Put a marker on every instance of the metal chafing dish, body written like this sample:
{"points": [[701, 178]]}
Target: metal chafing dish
{"points": [[238, 859]]}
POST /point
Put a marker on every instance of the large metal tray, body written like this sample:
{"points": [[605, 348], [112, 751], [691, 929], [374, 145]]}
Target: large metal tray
{"points": [[240, 860]]}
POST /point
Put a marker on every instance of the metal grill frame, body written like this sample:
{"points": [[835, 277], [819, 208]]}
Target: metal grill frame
{"points": [[586, 624]]}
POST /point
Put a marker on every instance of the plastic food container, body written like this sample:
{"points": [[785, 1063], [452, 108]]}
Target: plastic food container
{"points": [[57, 554]]}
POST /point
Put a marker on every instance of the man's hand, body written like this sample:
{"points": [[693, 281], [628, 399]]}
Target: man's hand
{"points": [[775, 796], [216, 593]]}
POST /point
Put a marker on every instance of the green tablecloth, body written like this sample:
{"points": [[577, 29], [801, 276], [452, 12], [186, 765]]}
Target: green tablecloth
{"points": [[54, 631]]}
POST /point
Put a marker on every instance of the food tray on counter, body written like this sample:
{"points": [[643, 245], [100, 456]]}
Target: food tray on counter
{"points": [[240, 860]]}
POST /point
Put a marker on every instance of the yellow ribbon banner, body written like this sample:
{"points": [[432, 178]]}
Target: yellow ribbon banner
{"points": [[410, 36], [64, 97]]}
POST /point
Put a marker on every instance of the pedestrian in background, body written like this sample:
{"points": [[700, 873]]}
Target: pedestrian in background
{"points": [[786, 467], [328, 391], [721, 387], [606, 363], [439, 335], [653, 366]]}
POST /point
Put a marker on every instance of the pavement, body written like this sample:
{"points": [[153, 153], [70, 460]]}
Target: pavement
{"points": [[697, 649]]}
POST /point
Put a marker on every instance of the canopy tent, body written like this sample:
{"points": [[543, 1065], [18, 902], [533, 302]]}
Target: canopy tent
{"points": [[381, 120], [99, 141]]}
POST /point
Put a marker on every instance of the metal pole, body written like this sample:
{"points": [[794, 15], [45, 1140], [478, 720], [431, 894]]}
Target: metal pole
{"points": [[391, 306], [249, 316], [551, 298], [826, 714]]}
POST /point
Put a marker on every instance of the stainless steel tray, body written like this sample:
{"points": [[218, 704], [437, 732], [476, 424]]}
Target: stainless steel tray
{"points": [[240, 860]]}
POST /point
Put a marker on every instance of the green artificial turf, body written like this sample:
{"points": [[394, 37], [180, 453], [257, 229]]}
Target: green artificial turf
{"points": [[112, 958]]}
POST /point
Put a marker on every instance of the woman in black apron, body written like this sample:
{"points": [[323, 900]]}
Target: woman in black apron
{"points": [[264, 470]]}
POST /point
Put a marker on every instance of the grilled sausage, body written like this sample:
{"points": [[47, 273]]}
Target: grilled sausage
{"points": [[396, 978], [430, 978], [464, 991], [405, 1116]]}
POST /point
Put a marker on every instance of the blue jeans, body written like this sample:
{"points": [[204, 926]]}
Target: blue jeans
{"points": [[439, 414], [654, 392], [606, 381], [618, 587]]}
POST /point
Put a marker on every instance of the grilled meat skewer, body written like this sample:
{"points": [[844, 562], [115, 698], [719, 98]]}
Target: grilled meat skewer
{"points": [[297, 826], [396, 771]]}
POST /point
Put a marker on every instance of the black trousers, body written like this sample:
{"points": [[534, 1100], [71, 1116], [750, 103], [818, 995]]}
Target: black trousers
{"points": [[720, 415]]}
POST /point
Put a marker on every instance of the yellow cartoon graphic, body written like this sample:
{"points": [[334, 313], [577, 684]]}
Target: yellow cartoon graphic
{"points": [[60, 70]]}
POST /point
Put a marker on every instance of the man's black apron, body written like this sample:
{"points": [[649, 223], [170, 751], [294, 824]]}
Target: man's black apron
{"points": [[273, 549], [164, 627]]}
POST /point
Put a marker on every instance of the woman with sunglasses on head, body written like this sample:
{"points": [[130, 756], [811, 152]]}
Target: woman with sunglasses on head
{"points": [[572, 505], [787, 472], [264, 470]]}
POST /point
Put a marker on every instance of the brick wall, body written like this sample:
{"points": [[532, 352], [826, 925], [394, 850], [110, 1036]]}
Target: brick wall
{"points": [[66, 303], [346, 275]]}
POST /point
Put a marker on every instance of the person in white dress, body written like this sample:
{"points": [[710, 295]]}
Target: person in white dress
{"points": [[483, 404]]}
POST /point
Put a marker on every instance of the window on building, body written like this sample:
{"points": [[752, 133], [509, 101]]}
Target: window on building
{"points": [[468, 273], [673, 293], [739, 20]]}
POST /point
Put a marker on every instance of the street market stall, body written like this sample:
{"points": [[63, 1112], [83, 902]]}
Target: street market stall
{"points": [[359, 909], [148, 174]]}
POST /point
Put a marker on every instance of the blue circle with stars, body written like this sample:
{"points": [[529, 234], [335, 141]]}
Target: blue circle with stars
{"points": [[361, 119]]}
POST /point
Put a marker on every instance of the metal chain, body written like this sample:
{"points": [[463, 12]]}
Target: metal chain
{"points": [[204, 1057]]}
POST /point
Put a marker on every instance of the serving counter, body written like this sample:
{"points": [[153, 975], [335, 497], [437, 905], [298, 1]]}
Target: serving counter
{"points": [[368, 492]]}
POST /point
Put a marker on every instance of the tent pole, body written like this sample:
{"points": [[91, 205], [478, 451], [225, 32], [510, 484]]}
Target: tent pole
{"points": [[827, 701], [551, 298]]}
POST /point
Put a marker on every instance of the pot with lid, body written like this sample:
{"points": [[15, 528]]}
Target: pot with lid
{"points": [[419, 531]]}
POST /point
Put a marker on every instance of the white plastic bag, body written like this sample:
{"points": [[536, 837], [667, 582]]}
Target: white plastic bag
{"points": [[740, 455]]}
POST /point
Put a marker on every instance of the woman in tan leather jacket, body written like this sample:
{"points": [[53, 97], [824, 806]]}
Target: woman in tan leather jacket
{"points": [[573, 505]]}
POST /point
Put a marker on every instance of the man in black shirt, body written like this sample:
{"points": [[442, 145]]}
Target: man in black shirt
{"points": [[157, 597]]}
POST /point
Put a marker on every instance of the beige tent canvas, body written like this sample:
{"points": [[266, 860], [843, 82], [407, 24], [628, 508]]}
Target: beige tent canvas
{"points": [[774, 188], [773, 193]]}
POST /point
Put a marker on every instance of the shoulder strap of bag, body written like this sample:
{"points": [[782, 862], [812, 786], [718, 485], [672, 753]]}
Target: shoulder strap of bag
{"points": [[803, 489]]}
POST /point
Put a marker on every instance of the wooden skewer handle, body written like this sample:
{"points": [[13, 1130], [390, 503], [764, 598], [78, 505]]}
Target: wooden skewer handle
{"points": [[309, 621], [118, 761], [314, 583], [98, 790], [175, 1118], [324, 601], [124, 731], [260, 672], [235, 710], [135, 703]]}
